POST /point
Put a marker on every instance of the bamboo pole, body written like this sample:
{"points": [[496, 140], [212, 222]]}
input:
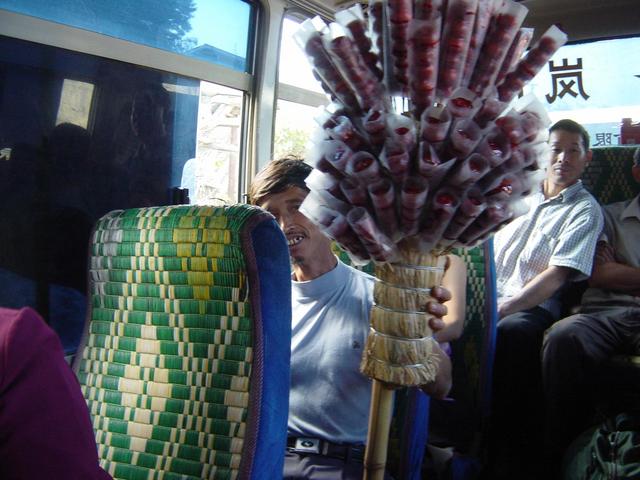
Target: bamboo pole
{"points": [[380, 413]]}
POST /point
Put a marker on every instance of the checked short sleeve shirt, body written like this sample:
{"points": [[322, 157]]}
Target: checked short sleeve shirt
{"points": [[560, 231]]}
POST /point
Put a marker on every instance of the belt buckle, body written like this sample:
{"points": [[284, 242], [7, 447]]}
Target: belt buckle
{"points": [[309, 445]]}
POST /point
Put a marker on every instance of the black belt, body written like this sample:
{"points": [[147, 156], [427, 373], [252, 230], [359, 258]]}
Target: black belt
{"points": [[318, 446]]}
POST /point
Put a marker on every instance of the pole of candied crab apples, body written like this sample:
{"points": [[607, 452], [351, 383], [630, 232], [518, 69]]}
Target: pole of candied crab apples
{"points": [[399, 348], [380, 413]]}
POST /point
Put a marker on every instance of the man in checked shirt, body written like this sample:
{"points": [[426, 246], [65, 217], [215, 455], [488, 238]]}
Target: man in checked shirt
{"points": [[536, 256]]}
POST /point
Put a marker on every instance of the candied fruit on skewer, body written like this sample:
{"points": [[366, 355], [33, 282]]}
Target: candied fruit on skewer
{"points": [[514, 54], [363, 167], [434, 124], [349, 61], [353, 20], [400, 11], [457, 29], [480, 27], [346, 132], [424, 55], [471, 206], [532, 63], [340, 230], [378, 245], [492, 216], [490, 110], [495, 147], [382, 194], [464, 137], [502, 30], [413, 194], [309, 38], [468, 170], [355, 193], [463, 103], [444, 205]]}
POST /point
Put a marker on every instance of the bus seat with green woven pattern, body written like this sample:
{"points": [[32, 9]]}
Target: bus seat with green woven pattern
{"points": [[184, 362]]}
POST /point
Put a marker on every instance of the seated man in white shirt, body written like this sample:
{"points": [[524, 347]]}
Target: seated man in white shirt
{"points": [[536, 256], [329, 397]]}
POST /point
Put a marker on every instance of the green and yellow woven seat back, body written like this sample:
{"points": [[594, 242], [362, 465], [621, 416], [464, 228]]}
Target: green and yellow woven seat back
{"points": [[608, 177], [186, 337]]}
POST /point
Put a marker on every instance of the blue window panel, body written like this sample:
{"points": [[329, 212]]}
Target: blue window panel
{"points": [[216, 31]]}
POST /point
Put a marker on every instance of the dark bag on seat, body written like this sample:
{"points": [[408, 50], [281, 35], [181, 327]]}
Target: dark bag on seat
{"points": [[608, 451]]}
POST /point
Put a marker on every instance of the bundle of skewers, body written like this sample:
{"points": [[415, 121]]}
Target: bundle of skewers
{"points": [[424, 147]]}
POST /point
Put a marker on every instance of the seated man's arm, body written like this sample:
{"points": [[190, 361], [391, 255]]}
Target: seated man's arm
{"points": [[609, 274], [441, 386], [539, 289]]}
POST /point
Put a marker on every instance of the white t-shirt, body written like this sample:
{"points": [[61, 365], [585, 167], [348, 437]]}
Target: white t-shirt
{"points": [[329, 397]]}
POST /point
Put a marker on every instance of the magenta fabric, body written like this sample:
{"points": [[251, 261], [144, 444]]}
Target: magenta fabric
{"points": [[45, 429]]}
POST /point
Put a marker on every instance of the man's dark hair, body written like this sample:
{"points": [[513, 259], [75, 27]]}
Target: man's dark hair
{"points": [[570, 126], [277, 176], [636, 156]]}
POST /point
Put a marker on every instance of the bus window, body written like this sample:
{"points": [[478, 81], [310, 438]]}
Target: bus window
{"points": [[576, 85], [299, 96], [82, 134], [212, 175], [217, 32]]}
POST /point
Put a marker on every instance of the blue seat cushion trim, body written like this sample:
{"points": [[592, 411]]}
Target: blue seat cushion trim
{"points": [[491, 319], [415, 406], [267, 261]]}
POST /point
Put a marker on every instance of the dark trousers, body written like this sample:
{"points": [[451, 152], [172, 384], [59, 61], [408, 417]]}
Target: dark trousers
{"points": [[301, 466], [517, 426], [575, 368]]}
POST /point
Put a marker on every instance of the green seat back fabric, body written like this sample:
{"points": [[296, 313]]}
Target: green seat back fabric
{"points": [[608, 176], [168, 355]]}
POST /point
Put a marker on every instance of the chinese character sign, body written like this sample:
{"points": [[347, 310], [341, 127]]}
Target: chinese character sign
{"points": [[595, 83], [567, 77]]}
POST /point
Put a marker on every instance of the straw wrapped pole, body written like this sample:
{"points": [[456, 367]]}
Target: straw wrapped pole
{"points": [[400, 345]]}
